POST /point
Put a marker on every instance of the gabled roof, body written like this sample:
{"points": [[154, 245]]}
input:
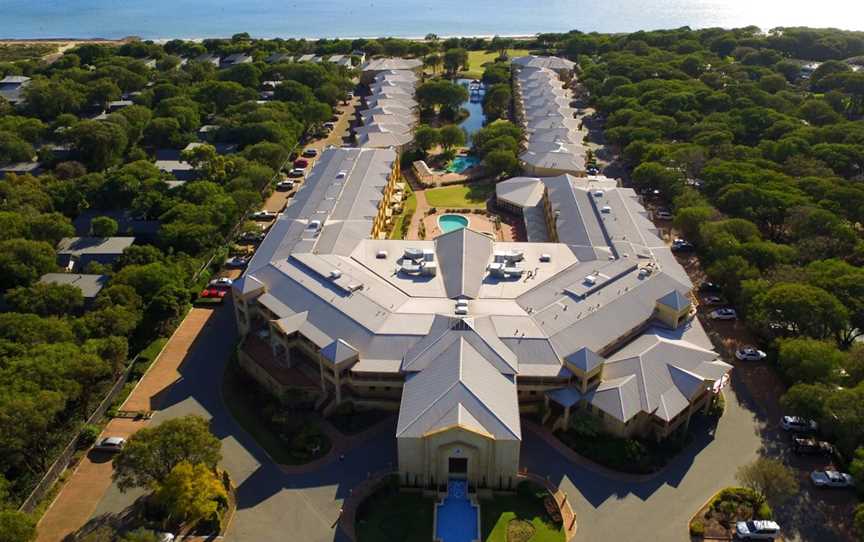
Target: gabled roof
{"points": [[445, 336], [460, 388], [675, 300], [463, 255], [618, 397]]}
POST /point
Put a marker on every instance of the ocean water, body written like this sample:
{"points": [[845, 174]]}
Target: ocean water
{"points": [[155, 19]]}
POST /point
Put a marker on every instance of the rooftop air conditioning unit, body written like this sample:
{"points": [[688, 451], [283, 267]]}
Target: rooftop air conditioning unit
{"points": [[381, 254], [545, 257], [590, 280], [335, 274], [606, 209]]}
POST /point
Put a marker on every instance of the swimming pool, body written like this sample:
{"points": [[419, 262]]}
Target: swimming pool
{"points": [[449, 223], [456, 519], [461, 163]]}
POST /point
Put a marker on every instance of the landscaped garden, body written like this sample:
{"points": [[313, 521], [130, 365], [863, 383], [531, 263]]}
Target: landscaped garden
{"points": [[519, 518], [718, 517], [402, 222], [389, 515], [477, 61], [350, 420], [287, 433], [462, 196]]}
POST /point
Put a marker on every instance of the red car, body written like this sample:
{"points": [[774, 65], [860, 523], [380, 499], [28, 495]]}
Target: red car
{"points": [[215, 293], [301, 162]]}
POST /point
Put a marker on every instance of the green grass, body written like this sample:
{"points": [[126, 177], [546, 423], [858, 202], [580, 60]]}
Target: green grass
{"points": [[526, 505], [387, 516], [407, 212], [467, 196], [252, 408], [478, 59]]}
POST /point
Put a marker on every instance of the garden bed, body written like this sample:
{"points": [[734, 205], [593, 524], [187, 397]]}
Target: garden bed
{"points": [[718, 517], [634, 456], [289, 435]]}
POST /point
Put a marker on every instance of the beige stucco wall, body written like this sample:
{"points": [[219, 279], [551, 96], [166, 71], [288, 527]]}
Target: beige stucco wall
{"points": [[426, 459]]}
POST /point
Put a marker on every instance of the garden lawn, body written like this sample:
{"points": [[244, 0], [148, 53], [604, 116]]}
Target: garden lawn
{"points": [[496, 514], [463, 196], [388, 517], [477, 60]]}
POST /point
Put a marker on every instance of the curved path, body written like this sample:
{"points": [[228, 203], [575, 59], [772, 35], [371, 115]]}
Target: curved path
{"points": [[306, 506]]}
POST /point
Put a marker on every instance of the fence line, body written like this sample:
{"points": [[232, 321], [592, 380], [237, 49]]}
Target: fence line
{"points": [[62, 462]]}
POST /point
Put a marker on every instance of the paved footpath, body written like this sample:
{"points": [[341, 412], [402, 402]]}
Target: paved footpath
{"points": [[80, 496]]}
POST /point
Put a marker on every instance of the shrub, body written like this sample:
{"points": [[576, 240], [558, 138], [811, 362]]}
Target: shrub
{"points": [[88, 435], [764, 511], [697, 528]]}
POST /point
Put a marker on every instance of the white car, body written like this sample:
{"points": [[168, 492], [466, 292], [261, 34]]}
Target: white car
{"points": [[263, 215], [757, 530], [297, 172], [221, 281], [748, 353], [285, 185], [110, 444], [236, 262], [798, 424], [723, 314], [831, 478]]}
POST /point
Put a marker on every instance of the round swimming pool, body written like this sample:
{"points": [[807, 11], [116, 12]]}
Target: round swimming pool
{"points": [[449, 223]]}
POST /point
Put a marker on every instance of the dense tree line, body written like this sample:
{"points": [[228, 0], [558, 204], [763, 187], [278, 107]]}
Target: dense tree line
{"points": [[58, 356]]}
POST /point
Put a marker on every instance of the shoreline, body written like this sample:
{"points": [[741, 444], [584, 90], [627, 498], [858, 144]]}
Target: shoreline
{"points": [[125, 39]]}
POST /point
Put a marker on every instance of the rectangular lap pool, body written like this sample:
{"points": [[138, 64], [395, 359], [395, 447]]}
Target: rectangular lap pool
{"points": [[457, 517]]}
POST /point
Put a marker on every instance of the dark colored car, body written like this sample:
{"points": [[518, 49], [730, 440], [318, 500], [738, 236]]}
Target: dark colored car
{"points": [[811, 446], [301, 163], [709, 287], [310, 153]]}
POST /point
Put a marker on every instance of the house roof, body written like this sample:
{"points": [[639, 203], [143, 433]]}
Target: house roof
{"points": [[548, 62], [675, 300], [381, 64], [520, 191], [585, 360], [77, 246], [90, 285]]}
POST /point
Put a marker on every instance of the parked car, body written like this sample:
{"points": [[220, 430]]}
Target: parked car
{"points": [[811, 446], [723, 314], [310, 153], [712, 300], [221, 282], [592, 170], [663, 214], [236, 262], [165, 537], [680, 245], [757, 530], [251, 236], [110, 444], [285, 185], [831, 478], [301, 163], [297, 172], [709, 287], [213, 293], [749, 353], [330, 125], [263, 215], [797, 424]]}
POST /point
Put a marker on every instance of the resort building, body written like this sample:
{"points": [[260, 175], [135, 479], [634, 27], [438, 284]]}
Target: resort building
{"points": [[462, 334], [90, 285], [76, 253], [388, 113], [373, 67], [553, 141]]}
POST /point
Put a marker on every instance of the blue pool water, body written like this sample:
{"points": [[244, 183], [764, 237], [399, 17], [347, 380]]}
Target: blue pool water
{"points": [[449, 223], [461, 163], [457, 517]]}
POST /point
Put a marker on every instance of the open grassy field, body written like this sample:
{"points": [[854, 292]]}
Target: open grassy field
{"points": [[478, 59], [10, 52], [462, 196]]}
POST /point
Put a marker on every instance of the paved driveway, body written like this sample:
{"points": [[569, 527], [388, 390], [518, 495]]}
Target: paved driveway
{"points": [[660, 508], [271, 503]]}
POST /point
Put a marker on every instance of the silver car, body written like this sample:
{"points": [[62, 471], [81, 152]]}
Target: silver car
{"points": [[831, 478], [110, 444], [757, 530]]}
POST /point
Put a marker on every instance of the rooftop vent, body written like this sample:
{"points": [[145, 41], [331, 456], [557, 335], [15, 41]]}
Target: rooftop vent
{"points": [[381, 254], [606, 209], [545, 257], [341, 174], [413, 253], [314, 225], [590, 280], [598, 193], [335, 274]]}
